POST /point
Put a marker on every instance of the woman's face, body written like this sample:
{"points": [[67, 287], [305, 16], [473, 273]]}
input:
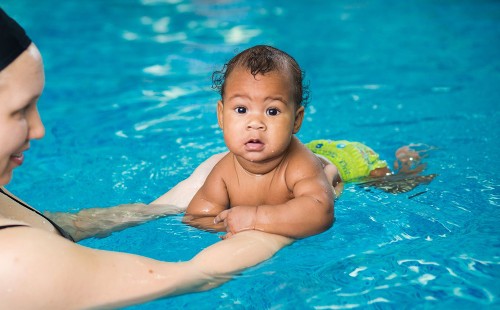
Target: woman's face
{"points": [[21, 84]]}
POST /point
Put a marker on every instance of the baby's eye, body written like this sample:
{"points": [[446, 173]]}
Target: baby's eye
{"points": [[240, 110], [272, 111]]}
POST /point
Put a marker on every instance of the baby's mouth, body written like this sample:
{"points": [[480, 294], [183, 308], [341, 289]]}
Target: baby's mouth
{"points": [[254, 144], [254, 141]]}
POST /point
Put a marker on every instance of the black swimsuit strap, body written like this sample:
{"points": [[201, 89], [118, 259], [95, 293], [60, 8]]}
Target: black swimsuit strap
{"points": [[12, 225], [57, 227]]}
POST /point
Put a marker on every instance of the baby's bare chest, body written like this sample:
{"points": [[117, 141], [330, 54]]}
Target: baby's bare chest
{"points": [[254, 190]]}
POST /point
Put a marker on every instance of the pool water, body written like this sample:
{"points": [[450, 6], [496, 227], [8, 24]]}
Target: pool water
{"points": [[129, 112]]}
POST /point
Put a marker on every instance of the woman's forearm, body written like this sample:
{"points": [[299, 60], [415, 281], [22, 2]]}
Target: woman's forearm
{"points": [[181, 194], [101, 222], [232, 255]]}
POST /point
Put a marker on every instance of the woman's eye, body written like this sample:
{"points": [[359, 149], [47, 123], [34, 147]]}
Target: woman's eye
{"points": [[273, 112], [21, 112], [241, 110]]}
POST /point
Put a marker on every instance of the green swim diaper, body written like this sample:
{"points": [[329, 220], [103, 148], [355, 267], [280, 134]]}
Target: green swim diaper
{"points": [[353, 159]]}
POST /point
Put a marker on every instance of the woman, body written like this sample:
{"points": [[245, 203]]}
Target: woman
{"points": [[40, 264]]}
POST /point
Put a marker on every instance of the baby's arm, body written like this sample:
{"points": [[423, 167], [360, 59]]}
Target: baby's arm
{"points": [[211, 199], [309, 213]]}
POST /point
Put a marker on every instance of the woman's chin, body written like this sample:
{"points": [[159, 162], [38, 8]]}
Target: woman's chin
{"points": [[5, 177]]}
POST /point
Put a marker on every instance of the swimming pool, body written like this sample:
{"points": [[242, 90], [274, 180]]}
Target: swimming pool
{"points": [[129, 113]]}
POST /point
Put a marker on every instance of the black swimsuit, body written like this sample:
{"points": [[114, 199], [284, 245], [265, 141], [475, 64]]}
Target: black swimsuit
{"points": [[12, 225], [57, 227]]}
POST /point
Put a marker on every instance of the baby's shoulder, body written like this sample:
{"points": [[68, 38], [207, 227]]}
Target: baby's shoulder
{"points": [[225, 167], [302, 162]]}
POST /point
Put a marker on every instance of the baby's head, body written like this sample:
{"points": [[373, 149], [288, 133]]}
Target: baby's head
{"points": [[263, 59]]}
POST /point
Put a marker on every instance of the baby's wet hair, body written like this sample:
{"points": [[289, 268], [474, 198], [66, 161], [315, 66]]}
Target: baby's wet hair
{"points": [[262, 59]]}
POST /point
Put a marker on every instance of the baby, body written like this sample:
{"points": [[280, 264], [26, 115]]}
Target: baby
{"points": [[269, 181]]}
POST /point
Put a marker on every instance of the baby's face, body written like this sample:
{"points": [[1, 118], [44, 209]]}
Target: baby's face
{"points": [[258, 115]]}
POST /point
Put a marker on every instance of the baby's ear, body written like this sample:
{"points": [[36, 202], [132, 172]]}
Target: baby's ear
{"points": [[299, 116], [220, 108]]}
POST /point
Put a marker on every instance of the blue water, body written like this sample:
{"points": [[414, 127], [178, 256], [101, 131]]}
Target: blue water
{"points": [[129, 113]]}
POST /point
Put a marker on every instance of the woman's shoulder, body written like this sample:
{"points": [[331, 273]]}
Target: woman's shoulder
{"points": [[6, 195], [5, 223]]}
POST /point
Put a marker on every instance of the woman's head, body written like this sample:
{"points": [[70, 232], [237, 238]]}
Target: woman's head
{"points": [[21, 84]]}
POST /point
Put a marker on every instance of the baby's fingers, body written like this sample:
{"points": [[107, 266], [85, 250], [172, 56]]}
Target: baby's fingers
{"points": [[221, 217], [226, 236]]}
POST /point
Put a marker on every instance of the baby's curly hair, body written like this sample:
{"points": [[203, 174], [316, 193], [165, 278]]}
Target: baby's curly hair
{"points": [[262, 59]]}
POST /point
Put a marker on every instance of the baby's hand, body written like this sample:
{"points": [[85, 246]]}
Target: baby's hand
{"points": [[237, 219]]}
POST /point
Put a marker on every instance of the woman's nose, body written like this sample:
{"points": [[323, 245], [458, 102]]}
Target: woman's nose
{"points": [[36, 128]]}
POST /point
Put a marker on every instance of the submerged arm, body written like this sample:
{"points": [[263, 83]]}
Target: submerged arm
{"points": [[102, 222]]}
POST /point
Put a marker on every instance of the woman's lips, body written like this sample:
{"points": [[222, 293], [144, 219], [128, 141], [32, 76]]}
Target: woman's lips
{"points": [[17, 158]]}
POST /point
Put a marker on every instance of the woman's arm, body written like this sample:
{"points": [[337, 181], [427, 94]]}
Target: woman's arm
{"points": [[81, 278], [181, 194], [246, 249], [211, 199], [43, 269], [102, 222]]}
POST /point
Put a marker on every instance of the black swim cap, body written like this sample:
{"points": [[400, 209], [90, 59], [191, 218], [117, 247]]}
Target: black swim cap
{"points": [[13, 40]]}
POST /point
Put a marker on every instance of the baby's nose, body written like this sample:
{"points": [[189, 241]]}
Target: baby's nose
{"points": [[256, 124]]}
